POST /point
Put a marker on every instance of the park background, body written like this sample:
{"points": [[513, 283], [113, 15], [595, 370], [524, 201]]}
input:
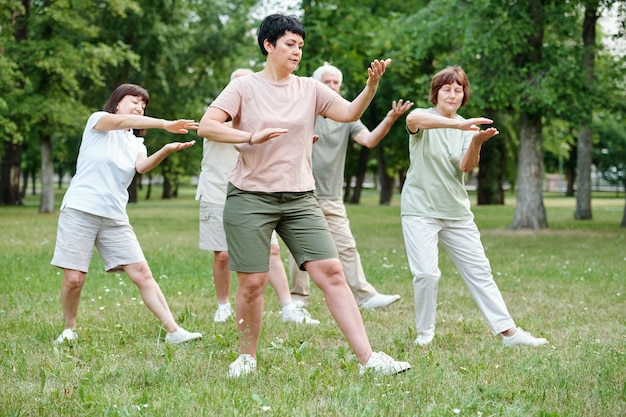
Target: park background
{"points": [[548, 196]]}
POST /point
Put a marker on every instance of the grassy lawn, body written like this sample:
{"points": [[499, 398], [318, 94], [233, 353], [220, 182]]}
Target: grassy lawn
{"points": [[567, 283]]}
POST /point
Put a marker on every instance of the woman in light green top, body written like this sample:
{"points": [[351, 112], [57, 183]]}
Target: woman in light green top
{"points": [[435, 208]]}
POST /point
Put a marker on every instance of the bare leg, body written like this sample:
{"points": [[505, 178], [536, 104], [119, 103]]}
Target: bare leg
{"points": [[140, 274], [221, 276], [328, 276], [249, 309], [278, 277], [71, 288]]}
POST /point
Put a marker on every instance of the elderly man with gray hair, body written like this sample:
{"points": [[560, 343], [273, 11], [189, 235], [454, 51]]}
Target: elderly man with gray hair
{"points": [[329, 157]]}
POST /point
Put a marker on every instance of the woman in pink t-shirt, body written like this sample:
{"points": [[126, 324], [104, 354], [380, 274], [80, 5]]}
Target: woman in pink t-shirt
{"points": [[273, 115]]}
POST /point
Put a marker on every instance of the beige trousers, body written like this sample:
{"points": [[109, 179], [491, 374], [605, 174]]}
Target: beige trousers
{"points": [[339, 225]]}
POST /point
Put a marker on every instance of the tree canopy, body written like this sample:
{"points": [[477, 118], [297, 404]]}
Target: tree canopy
{"points": [[538, 68]]}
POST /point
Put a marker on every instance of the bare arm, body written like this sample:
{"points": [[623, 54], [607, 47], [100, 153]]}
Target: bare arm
{"points": [[470, 159], [212, 127], [371, 139], [112, 121], [144, 163], [419, 119], [342, 110]]}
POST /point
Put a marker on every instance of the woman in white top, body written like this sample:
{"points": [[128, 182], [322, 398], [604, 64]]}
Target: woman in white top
{"points": [[272, 186], [93, 211]]}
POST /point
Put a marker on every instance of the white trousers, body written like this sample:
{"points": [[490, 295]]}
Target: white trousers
{"points": [[461, 239]]}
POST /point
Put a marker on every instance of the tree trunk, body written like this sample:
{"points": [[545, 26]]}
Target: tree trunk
{"points": [[10, 174], [570, 170], [46, 203], [386, 182], [585, 140], [491, 172], [624, 216], [132, 189], [360, 175], [583, 184], [167, 186], [149, 192], [530, 212]]}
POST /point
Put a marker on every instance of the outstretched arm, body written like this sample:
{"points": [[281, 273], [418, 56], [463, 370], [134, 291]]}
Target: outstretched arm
{"points": [[419, 119], [470, 159], [212, 127], [111, 121], [145, 164], [371, 139], [342, 110]]}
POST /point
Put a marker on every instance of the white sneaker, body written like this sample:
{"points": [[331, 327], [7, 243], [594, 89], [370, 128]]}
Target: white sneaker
{"points": [[383, 364], [523, 338], [223, 312], [379, 301], [68, 335], [424, 339], [244, 364], [181, 335], [297, 314]]}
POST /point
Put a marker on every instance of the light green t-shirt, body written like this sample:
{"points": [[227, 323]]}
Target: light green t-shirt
{"points": [[434, 185], [329, 155]]}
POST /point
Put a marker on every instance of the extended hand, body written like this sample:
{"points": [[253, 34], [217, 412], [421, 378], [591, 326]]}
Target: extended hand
{"points": [[484, 135], [470, 124], [376, 71], [178, 146], [266, 134], [180, 126], [399, 108]]}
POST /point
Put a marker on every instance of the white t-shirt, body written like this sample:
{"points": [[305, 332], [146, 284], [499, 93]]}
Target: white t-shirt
{"points": [[104, 170], [282, 164], [218, 159]]}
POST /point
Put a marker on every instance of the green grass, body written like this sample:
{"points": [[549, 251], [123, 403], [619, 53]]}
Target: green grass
{"points": [[566, 283]]}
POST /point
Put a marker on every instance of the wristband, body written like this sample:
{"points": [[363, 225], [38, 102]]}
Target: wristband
{"points": [[250, 138]]}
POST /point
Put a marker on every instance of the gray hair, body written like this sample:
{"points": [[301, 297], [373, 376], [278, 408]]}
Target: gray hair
{"points": [[325, 69]]}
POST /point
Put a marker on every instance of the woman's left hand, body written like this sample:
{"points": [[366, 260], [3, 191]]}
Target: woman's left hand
{"points": [[483, 136], [178, 146], [376, 70]]}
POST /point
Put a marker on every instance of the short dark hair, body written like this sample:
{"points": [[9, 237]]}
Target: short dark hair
{"points": [[127, 90], [447, 76], [276, 25]]}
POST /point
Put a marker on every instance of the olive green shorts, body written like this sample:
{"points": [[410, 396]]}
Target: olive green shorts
{"points": [[250, 217]]}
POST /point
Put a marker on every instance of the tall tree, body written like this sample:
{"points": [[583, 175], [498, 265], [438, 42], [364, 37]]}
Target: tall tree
{"points": [[585, 144], [53, 49]]}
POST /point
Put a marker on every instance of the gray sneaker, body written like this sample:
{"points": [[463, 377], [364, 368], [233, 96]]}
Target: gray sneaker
{"points": [[424, 339], [383, 364], [181, 335], [379, 301], [244, 364], [68, 335], [222, 313], [296, 314], [523, 338]]}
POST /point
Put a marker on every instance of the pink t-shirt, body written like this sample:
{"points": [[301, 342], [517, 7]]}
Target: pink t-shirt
{"points": [[282, 164]]}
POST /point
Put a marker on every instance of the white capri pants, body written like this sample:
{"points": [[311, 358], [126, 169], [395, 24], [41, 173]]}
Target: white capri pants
{"points": [[461, 239]]}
